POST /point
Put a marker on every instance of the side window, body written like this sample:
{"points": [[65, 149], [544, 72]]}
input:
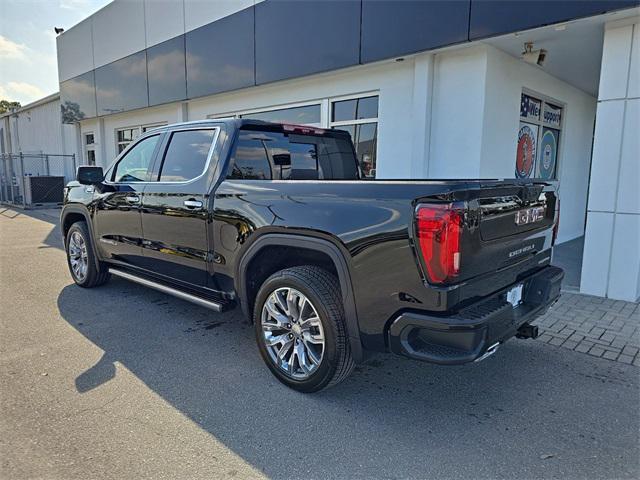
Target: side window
{"points": [[134, 166], [250, 160], [186, 156]]}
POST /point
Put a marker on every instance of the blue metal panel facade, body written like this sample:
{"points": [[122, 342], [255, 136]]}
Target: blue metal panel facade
{"points": [[295, 38], [220, 55], [166, 70], [122, 85], [280, 39], [496, 17], [395, 28], [78, 98]]}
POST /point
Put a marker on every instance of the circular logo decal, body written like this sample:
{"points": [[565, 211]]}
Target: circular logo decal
{"points": [[526, 152], [549, 147]]}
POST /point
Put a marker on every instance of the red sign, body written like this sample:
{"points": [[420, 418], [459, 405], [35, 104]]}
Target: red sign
{"points": [[526, 152]]}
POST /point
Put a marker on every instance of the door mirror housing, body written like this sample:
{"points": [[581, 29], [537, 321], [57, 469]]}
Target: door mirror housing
{"points": [[89, 175]]}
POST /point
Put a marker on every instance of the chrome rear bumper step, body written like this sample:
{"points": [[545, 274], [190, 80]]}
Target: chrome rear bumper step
{"points": [[165, 289]]}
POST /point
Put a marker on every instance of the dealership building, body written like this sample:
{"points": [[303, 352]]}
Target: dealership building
{"points": [[427, 89]]}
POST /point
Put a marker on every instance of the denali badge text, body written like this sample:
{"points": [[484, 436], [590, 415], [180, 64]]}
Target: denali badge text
{"points": [[521, 250], [529, 215]]}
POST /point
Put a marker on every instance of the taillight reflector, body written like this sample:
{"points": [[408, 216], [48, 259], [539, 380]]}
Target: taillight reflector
{"points": [[438, 229]]}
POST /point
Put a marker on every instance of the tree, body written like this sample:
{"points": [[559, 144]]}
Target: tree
{"points": [[6, 105]]}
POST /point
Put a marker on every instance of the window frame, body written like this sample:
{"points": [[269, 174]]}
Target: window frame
{"points": [[273, 108], [166, 142], [325, 104], [355, 122], [111, 171], [89, 147], [140, 129], [544, 99]]}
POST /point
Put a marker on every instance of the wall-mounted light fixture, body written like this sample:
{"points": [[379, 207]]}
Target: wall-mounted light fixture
{"points": [[535, 57]]}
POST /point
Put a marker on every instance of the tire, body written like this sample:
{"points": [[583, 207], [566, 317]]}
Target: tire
{"points": [[315, 365], [81, 258]]}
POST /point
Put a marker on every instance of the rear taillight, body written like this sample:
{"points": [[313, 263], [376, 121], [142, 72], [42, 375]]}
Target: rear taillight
{"points": [[556, 222], [438, 231]]}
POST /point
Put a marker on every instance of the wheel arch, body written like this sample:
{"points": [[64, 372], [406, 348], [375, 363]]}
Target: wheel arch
{"points": [[76, 213], [315, 246]]}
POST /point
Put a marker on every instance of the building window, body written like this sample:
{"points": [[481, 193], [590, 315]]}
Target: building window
{"points": [[125, 136], [359, 117], [303, 115], [538, 138], [90, 148], [357, 114]]}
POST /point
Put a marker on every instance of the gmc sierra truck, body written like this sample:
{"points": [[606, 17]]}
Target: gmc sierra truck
{"points": [[276, 219]]}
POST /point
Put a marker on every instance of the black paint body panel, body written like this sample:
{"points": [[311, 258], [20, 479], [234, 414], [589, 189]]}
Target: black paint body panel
{"points": [[368, 226]]}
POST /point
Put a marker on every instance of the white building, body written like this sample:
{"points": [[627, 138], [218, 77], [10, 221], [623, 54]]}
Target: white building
{"points": [[35, 142], [427, 89]]}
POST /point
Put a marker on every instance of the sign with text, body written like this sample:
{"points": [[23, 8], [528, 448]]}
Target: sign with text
{"points": [[552, 115], [530, 107]]}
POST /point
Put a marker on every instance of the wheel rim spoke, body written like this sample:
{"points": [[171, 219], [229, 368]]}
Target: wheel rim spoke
{"points": [[292, 333], [78, 256]]}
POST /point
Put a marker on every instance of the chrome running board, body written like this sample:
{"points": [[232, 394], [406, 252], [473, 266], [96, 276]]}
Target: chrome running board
{"points": [[164, 289]]}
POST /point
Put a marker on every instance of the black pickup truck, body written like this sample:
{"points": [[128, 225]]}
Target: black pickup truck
{"points": [[276, 219]]}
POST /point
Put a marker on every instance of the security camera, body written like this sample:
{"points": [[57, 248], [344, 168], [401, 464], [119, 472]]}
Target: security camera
{"points": [[58, 30], [535, 57]]}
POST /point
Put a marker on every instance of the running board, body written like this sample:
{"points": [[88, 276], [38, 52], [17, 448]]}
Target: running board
{"points": [[164, 289]]}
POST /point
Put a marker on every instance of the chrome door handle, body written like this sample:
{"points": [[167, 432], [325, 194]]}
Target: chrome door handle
{"points": [[193, 204], [133, 199]]}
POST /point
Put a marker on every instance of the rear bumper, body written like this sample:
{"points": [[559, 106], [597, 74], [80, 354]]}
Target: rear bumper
{"points": [[467, 335]]}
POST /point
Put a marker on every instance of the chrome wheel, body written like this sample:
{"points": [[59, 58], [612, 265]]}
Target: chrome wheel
{"points": [[293, 333], [78, 256]]}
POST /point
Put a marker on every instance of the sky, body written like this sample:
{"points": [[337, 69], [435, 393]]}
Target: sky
{"points": [[28, 64]]}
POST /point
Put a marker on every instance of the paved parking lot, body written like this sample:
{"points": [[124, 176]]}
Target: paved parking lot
{"points": [[123, 382]]}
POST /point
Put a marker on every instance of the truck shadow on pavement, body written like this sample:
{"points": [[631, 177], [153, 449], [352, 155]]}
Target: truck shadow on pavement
{"points": [[531, 410]]}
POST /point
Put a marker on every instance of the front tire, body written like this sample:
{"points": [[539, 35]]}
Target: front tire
{"points": [[300, 328], [85, 270]]}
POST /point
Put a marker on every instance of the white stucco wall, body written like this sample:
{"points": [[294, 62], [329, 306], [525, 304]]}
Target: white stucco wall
{"points": [[611, 262], [476, 115], [393, 81], [506, 77]]}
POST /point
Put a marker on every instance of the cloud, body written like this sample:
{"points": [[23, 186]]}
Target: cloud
{"points": [[11, 50], [22, 92], [74, 4]]}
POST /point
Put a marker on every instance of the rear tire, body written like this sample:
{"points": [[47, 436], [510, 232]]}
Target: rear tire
{"points": [[300, 328], [85, 270]]}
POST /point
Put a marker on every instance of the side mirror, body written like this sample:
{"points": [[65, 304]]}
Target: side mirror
{"points": [[89, 175], [282, 159]]}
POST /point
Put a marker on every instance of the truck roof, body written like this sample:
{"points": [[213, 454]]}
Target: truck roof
{"points": [[241, 122]]}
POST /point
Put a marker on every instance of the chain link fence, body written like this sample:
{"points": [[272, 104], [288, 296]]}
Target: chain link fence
{"points": [[35, 179]]}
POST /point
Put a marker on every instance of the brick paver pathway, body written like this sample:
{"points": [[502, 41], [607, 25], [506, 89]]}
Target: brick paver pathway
{"points": [[594, 325]]}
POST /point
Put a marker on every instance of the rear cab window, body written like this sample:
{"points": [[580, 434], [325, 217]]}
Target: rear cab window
{"points": [[274, 153]]}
